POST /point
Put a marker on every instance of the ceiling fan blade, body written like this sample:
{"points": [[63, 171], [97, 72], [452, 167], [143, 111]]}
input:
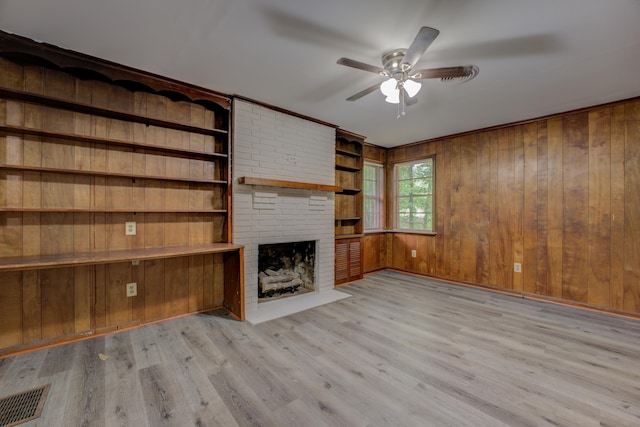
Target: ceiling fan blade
{"points": [[361, 66], [423, 40], [466, 71], [295, 27], [362, 93]]}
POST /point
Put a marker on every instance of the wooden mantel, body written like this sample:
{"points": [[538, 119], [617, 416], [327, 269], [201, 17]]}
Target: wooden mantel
{"points": [[247, 180]]}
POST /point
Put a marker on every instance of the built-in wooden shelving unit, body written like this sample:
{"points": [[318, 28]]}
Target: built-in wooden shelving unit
{"points": [[348, 217], [81, 156]]}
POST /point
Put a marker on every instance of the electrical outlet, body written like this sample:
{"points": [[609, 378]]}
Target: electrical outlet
{"points": [[413, 253], [132, 289], [517, 267], [130, 228]]}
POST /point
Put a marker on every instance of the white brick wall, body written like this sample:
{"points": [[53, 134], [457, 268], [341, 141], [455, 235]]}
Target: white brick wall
{"points": [[274, 145]]}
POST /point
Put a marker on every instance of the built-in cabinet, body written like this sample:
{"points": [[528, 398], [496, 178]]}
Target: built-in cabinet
{"points": [[114, 198], [348, 204]]}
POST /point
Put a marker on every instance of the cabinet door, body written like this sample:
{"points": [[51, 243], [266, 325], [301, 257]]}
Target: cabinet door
{"points": [[355, 260], [342, 261], [348, 260]]}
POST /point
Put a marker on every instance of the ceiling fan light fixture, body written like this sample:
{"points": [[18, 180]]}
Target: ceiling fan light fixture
{"points": [[412, 87], [393, 98], [389, 88]]}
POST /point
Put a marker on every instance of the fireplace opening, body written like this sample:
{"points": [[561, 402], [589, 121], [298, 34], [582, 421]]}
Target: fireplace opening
{"points": [[285, 269]]}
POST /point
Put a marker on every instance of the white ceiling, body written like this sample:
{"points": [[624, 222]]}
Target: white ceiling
{"points": [[535, 57]]}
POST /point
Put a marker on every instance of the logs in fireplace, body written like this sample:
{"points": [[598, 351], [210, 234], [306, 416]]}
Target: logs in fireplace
{"points": [[285, 268]]}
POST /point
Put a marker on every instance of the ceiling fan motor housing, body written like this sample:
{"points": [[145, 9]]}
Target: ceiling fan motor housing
{"points": [[392, 59]]}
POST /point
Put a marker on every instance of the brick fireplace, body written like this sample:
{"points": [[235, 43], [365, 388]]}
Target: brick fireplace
{"points": [[273, 145]]}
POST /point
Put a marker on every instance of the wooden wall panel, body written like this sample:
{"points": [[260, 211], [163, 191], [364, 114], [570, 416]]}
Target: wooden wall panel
{"points": [[453, 216], [196, 283], [505, 215], [218, 272], [554, 208], [530, 209], [11, 309], [374, 153], [443, 202], [83, 280], [211, 297], [57, 290], [542, 214], [374, 251], [632, 209], [176, 292], [495, 255], [517, 203], [561, 195], [599, 220], [618, 136], [468, 190], [483, 213], [31, 306], [154, 299], [575, 206], [117, 304]]}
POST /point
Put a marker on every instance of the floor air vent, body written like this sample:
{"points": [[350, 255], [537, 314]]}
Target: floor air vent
{"points": [[22, 407]]}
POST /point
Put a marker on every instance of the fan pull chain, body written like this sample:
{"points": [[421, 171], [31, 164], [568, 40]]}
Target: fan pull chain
{"points": [[401, 99]]}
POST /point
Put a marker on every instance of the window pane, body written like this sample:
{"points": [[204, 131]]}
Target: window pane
{"points": [[373, 196], [414, 195]]}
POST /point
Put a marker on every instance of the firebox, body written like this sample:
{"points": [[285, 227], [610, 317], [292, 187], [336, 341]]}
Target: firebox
{"points": [[286, 269]]}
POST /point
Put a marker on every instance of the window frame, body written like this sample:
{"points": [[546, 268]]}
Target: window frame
{"points": [[379, 198], [396, 196]]}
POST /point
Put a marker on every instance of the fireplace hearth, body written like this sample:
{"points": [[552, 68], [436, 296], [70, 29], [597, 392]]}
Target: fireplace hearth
{"points": [[286, 269]]}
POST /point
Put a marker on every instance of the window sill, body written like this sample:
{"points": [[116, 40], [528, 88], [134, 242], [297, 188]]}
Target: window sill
{"points": [[424, 233], [375, 231]]}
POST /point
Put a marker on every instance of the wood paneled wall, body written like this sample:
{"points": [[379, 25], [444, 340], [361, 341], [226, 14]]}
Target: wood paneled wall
{"points": [[559, 195], [50, 304]]}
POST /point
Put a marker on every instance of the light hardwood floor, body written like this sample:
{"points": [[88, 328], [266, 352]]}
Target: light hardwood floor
{"points": [[403, 351]]}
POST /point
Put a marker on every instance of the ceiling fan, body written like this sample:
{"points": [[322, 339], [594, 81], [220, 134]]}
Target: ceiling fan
{"points": [[401, 86]]}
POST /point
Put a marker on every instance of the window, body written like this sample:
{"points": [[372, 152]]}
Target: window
{"points": [[373, 196], [414, 195]]}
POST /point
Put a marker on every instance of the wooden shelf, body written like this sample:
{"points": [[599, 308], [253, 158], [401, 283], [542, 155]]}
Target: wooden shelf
{"points": [[178, 152], [350, 219], [96, 173], [107, 257], [104, 112], [350, 191], [348, 236], [347, 168], [247, 180], [99, 210], [347, 153]]}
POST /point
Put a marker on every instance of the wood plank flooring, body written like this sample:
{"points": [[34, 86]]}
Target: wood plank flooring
{"points": [[403, 351]]}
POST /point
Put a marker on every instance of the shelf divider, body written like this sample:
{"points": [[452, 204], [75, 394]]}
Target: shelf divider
{"points": [[108, 257]]}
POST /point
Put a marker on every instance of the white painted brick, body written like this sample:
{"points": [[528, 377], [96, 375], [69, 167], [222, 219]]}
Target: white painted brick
{"points": [[274, 145]]}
